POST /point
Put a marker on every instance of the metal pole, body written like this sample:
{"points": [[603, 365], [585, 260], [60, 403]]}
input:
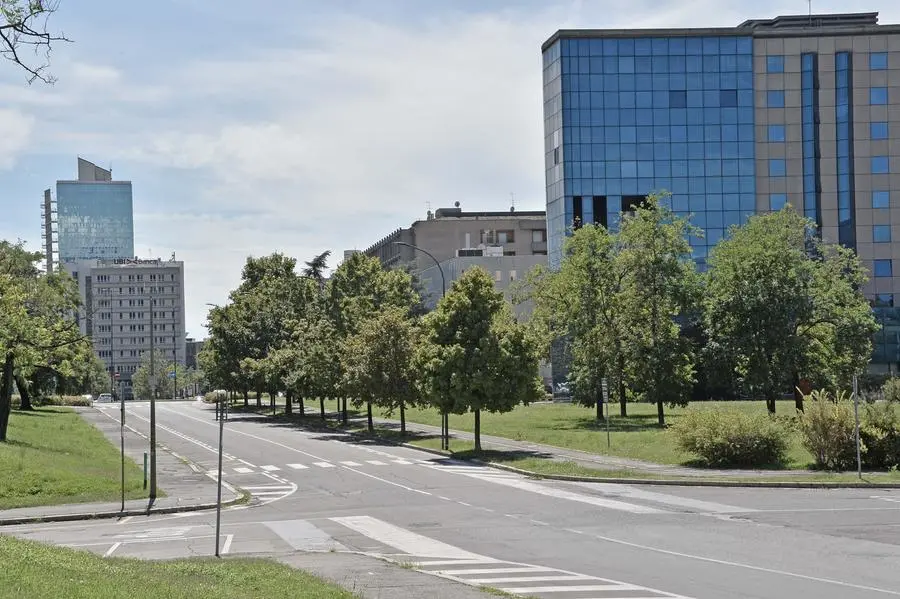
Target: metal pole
{"points": [[152, 406], [219, 478], [122, 440], [856, 415]]}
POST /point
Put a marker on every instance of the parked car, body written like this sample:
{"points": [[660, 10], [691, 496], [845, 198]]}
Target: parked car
{"points": [[105, 397]]}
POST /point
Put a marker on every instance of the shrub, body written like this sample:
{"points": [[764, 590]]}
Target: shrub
{"points": [[732, 438], [880, 433], [65, 400], [828, 429], [891, 390]]}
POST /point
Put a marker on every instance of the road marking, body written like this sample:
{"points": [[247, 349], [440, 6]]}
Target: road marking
{"points": [[375, 463], [349, 463], [629, 492], [373, 477], [573, 589], [125, 519], [267, 493], [243, 470], [245, 462], [268, 488], [403, 462], [227, 546], [112, 549], [323, 464], [470, 571], [892, 499], [529, 579], [270, 468], [302, 535], [298, 466], [456, 562], [721, 562], [404, 540]]}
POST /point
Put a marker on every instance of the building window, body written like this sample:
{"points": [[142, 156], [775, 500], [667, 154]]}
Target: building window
{"points": [[775, 98], [878, 95], [777, 201], [678, 99], [881, 233], [878, 130], [883, 268], [881, 165], [777, 167], [539, 235], [504, 237], [512, 275], [728, 98], [498, 275], [776, 133], [505, 253], [884, 300], [881, 199], [878, 61], [775, 64]]}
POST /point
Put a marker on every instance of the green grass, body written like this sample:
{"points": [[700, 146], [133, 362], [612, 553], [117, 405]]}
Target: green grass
{"points": [[36, 570], [53, 456]]}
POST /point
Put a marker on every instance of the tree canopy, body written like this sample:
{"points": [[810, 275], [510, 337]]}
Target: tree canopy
{"points": [[25, 39]]}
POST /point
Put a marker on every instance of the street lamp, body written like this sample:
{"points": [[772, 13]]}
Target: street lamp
{"points": [[445, 418]]}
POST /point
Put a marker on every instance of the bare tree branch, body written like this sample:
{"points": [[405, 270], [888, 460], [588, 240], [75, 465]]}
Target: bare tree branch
{"points": [[23, 26]]}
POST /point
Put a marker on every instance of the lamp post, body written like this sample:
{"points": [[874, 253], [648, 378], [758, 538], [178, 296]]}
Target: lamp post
{"points": [[152, 399], [445, 418]]}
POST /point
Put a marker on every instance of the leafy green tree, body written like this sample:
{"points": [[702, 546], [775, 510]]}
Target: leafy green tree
{"points": [[581, 303], [378, 362], [782, 305], [23, 29], [474, 356], [141, 383], [315, 268], [661, 287], [314, 369]]}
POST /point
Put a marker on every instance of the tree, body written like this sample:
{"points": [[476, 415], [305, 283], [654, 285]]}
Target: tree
{"points": [[141, 381], [23, 26], [581, 303], [474, 356], [315, 268], [314, 360], [379, 363], [660, 288], [782, 305]]}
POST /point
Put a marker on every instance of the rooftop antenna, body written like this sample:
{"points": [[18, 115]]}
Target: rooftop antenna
{"points": [[810, 12], [512, 202]]}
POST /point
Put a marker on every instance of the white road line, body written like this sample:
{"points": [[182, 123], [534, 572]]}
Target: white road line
{"points": [[268, 493], [323, 464], [227, 546], [524, 579], [111, 549], [349, 463], [402, 462], [404, 540], [628, 492], [388, 482], [721, 562], [125, 519], [573, 589], [375, 463], [457, 562], [246, 463], [268, 488], [243, 470], [270, 468], [471, 571], [298, 466]]}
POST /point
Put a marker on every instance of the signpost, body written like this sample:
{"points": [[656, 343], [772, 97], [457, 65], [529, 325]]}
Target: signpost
{"points": [[122, 439], [856, 415], [221, 407], [606, 402]]}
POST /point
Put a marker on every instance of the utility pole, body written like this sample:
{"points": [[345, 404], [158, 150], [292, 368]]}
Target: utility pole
{"points": [[152, 402]]}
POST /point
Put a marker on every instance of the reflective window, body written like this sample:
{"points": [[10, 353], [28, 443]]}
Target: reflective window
{"points": [[776, 133], [775, 64], [728, 98], [777, 167], [843, 113], [678, 99], [884, 300], [775, 98], [881, 233], [878, 61], [881, 199], [777, 201], [882, 268], [878, 130], [878, 95], [95, 220], [880, 165]]}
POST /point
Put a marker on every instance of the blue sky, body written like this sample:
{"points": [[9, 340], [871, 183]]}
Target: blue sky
{"points": [[302, 126]]}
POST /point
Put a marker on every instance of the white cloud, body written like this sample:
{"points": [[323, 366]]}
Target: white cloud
{"points": [[15, 130]]}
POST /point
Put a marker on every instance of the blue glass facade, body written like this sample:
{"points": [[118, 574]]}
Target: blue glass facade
{"points": [[96, 220], [843, 107], [809, 98], [650, 114]]}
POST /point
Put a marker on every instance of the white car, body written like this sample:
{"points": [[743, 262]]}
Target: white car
{"points": [[104, 397]]}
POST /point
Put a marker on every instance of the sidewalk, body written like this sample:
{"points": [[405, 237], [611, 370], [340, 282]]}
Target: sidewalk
{"points": [[583, 458], [185, 488]]}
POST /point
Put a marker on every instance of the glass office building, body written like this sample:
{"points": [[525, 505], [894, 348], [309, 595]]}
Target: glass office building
{"points": [[732, 122], [95, 216]]}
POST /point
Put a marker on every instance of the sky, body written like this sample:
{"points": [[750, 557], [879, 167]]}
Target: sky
{"points": [[303, 126]]}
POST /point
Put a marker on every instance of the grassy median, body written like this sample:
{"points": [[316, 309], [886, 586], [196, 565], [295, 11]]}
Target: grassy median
{"points": [[34, 570], [53, 456]]}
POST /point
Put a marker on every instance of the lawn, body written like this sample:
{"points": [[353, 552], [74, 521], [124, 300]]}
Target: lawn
{"points": [[570, 426], [35, 570], [53, 456]]}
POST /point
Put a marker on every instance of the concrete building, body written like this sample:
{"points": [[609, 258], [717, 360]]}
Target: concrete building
{"points": [[734, 121], [94, 218], [451, 232], [130, 306], [192, 348]]}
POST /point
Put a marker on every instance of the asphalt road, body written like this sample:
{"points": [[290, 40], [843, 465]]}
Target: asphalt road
{"points": [[329, 492]]}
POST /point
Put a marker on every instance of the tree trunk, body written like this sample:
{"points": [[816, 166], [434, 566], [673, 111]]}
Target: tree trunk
{"points": [[660, 413], [599, 404], [770, 402], [798, 395], [6, 378], [24, 394], [288, 400], [322, 407], [344, 415], [402, 419], [369, 416], [272, 394], [258, 398], [623, 405], [478, 430], [246, 398]]}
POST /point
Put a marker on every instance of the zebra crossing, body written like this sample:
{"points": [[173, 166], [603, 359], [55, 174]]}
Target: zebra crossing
{"points": [[322, 465]]}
